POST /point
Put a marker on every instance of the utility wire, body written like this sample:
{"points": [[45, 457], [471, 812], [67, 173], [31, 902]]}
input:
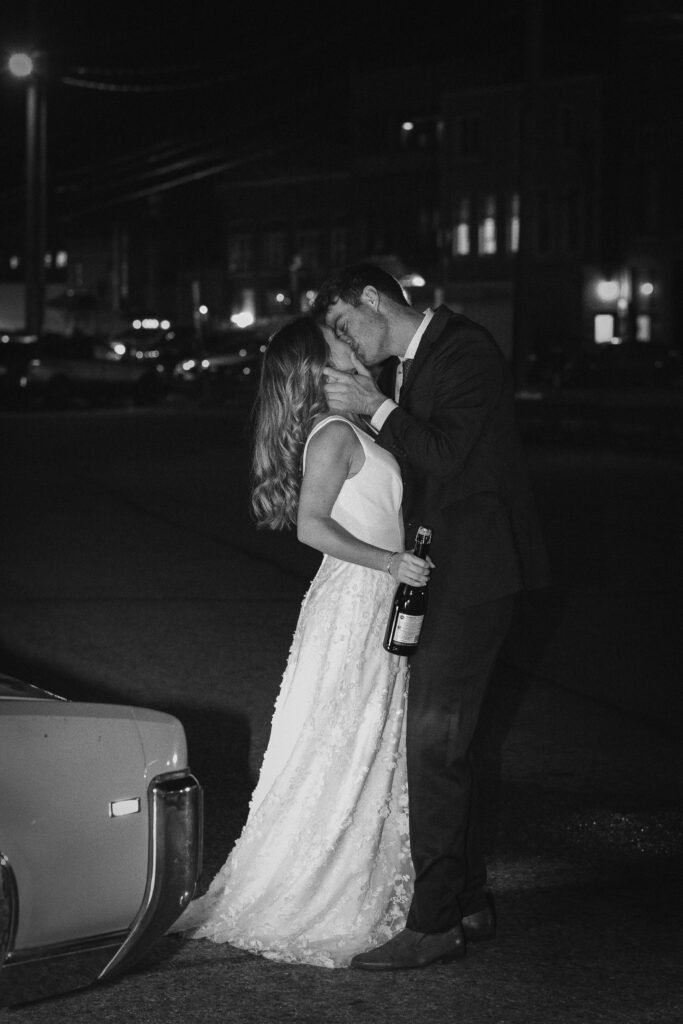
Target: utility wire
{"points": [[82, 83]]}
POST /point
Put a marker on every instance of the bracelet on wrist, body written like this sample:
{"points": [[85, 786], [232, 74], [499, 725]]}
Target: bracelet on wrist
{"points": [[389, 559]]}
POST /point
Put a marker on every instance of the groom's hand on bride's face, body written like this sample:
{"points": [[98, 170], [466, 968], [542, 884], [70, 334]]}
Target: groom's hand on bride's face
{"points": [[352, 392]]}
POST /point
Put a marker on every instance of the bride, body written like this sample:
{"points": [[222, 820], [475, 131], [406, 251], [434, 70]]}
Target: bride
{"points": [[322, 869]]}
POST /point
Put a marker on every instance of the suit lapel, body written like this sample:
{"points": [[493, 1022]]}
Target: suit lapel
{"points": [[434, 328]]}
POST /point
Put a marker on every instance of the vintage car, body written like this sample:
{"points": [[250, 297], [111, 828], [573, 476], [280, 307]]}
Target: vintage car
{"points": [[100, 838]]}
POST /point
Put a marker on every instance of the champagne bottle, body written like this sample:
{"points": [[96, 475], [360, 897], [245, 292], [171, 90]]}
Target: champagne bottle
{"points": [[410, 604]]}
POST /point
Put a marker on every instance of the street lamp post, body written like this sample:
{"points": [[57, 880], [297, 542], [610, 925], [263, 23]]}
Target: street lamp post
{"points": [[23, 66]]}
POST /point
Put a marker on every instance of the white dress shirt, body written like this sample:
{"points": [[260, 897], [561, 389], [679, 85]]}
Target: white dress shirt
{"points": [[388, 405]]}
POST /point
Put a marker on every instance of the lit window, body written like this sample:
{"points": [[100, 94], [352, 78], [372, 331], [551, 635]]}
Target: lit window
{"points": [[461, 235], [643, 327], [62, 258], [487, 227], [603, 329], [513, 224], [607, 291]]}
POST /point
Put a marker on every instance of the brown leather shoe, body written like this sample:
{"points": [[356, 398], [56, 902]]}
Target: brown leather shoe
{"points": [[481, 926], [413, 949]]}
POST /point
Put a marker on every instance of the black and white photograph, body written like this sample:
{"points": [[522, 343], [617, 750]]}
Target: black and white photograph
{"points": [[341, 516]]}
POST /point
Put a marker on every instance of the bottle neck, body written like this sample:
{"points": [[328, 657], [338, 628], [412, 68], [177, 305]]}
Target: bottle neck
{"points": [[422, 542]]}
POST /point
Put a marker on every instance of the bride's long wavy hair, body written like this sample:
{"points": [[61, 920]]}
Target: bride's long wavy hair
{"points": [[291, 394]]}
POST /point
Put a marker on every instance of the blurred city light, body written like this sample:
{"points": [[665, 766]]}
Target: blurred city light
{"points": [[242, 319], [647, 288], [20, 65], [607, 291], [151, 323]]}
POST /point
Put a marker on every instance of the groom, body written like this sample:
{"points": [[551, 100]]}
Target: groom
{"points": [[446, 412]]}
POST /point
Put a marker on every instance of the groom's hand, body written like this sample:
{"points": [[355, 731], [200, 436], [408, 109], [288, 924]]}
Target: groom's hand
{"points": [[348, 392]]}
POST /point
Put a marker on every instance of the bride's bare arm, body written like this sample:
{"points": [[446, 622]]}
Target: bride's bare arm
{"points": [[335, 453]]}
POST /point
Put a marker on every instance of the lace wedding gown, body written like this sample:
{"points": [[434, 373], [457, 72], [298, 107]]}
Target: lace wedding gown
{"points": [[322, 868]]}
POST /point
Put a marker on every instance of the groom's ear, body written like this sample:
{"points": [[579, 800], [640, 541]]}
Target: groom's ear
{"points": [[370, 296]]}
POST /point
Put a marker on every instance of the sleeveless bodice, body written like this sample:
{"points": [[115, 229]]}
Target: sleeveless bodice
{"points": [[369, 503]]}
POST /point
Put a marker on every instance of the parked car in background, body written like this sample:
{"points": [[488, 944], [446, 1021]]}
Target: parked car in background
{"points": [[17, 349], [165, 345], [80, 369], [224, 368], [100, 838]]}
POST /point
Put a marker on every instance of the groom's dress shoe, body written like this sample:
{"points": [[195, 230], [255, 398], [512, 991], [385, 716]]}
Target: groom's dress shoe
{"points": [[482, 925], [413, 949]]}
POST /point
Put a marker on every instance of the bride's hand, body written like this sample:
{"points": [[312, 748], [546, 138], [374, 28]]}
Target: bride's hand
{"points": [[408, 568]]}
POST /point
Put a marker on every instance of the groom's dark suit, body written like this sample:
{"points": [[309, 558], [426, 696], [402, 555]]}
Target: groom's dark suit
{"points": [[455, 438]]}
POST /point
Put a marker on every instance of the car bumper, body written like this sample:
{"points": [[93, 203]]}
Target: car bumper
{"points": [[174, 864]]}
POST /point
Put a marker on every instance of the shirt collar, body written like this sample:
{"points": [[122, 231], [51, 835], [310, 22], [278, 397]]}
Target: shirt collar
{"points": [[416, 338]]}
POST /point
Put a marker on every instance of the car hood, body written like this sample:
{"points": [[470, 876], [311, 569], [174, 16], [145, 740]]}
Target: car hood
{"points": [[16, 689]]}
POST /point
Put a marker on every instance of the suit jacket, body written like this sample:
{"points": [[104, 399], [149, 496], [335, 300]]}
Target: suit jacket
{"points": [[455, 438]]}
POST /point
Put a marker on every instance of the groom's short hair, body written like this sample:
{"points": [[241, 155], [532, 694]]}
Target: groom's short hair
{"points": [[348, 283]]}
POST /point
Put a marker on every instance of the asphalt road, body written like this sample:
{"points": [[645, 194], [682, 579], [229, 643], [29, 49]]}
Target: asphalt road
{"points": [[131, 573]]}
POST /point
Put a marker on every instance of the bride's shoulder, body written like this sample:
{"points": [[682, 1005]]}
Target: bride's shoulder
{"points": [[332, 432], [331, 421]]}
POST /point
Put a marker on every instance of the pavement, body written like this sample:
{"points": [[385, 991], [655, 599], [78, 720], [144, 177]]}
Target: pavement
{"points": [[146, 584], [637, 418]]}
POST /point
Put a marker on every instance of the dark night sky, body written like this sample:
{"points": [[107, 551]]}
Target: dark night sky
{"points": [[260, 60], [223, 69]]}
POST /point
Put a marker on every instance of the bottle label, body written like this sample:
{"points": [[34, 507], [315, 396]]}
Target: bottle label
{"points": [[408, 628]]}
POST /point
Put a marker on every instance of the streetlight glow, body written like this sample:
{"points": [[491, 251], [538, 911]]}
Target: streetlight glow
{"points": [[20, 65]]}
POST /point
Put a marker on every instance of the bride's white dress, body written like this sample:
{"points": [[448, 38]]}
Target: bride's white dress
{"points": [[322, 869]]}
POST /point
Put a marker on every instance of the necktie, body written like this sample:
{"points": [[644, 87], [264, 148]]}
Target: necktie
{"points": [[405, 370]]}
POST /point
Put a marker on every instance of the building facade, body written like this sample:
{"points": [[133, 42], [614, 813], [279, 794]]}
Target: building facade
{"points": [[548, 209]]}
